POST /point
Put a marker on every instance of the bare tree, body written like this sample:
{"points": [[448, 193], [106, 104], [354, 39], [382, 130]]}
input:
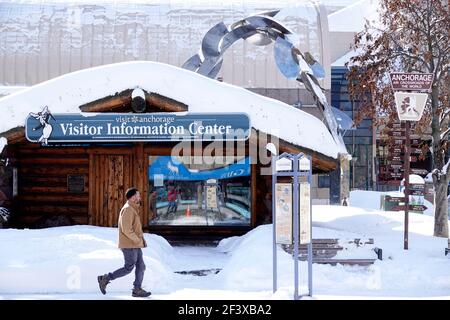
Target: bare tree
{"points": [[411, 36]]}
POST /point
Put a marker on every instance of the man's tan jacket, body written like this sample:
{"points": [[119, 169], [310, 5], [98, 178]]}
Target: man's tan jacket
{"points": [[130, 227]]}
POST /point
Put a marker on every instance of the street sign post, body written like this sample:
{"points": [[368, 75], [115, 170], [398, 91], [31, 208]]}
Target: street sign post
{"points": [[410, 106]]}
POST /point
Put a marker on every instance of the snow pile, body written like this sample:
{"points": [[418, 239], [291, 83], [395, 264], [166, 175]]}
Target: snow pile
{"points": [[69, 259], [422, 271], [250, 266], [372, 200], [67, 93]]}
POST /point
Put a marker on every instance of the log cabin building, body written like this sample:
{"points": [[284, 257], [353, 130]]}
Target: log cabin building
{"points": [[86, 181]]}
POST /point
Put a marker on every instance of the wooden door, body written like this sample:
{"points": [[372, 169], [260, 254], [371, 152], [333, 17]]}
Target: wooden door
{"points": [[111, 175]]}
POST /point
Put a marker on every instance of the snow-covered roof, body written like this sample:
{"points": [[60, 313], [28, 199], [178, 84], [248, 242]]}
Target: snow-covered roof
{"points": [[353, 17], [346, 58], [65, 94], [5, 90]]}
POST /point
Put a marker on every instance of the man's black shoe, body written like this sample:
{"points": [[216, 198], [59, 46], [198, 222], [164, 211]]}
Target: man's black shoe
{"points": [[103, 282], [140, 293]]}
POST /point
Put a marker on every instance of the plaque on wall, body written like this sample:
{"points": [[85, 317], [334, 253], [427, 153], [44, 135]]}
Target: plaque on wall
{"points": [[75, 183]]}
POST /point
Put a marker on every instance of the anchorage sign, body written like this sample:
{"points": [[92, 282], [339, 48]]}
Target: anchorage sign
{"points": [[44, 127]]}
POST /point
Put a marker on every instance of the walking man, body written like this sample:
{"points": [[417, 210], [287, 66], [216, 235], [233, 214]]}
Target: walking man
{"points": [[131, 240]]}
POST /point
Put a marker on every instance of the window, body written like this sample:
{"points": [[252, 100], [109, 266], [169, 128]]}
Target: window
{"points": [[199, 191], [324, 181]]}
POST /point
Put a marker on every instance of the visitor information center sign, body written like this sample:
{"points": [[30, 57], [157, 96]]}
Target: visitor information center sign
{"points": [[44, 127]]}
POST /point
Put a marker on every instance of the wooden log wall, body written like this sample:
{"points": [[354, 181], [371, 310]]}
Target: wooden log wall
{"points": [[42, 183]]}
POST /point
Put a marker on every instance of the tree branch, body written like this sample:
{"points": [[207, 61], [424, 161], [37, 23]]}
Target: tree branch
{"points": [[403, 53], [445, 134], [446, 168], [444, 115]]}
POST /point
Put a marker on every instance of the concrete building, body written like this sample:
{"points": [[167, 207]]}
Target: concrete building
{"points": [[41, 41]]}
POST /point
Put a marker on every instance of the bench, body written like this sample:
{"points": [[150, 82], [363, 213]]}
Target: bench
{"points": [[325, 250], [200, 273]]}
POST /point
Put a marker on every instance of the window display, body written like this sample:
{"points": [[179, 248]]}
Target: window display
{"points": [[199, 191]]}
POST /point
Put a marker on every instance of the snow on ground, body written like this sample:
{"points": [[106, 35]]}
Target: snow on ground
{"points": [[44, 264], [422, 271], [68, 259], [371, 200]]}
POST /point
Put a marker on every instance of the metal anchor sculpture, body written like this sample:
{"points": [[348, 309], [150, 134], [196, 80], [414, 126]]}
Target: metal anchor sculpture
{"points": [[262, 29]]}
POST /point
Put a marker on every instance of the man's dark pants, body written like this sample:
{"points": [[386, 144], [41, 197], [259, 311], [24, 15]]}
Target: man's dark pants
{"points": [[133, 257]]}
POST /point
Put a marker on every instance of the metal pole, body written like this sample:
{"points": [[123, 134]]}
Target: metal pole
{"points": [[406, 190], [205, 188], [310, 254], [274, 239], [296, 231]]}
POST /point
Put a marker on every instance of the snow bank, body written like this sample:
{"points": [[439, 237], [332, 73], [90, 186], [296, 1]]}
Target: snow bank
{"points": [[66, 93], [422, 271], [69, 259], [250, 266], [64, 262], [371, 200]]}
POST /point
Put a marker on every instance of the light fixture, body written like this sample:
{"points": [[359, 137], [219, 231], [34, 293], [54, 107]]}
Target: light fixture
{"points": [[138, 103]]}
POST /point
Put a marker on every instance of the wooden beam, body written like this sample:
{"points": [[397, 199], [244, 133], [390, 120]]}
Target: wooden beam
{"points": [[15, 135], [54, 161], [108, 103], [41, 209], [31, 149], [45, 189], [64, 197], [54, 170], [110, 150], [123, 99], [91, 209], [30, 220], [164, 103]]}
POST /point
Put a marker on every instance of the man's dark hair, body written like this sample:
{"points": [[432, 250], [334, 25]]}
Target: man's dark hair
{"points": [[131, 192]]}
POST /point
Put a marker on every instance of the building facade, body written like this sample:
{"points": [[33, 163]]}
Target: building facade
{"points": [[85, 181]]}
